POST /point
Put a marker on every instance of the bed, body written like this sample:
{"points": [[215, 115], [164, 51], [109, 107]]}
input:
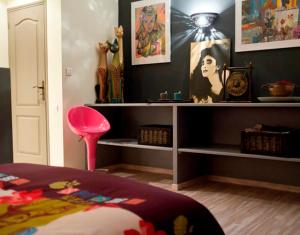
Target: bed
{"points": [[36, 199]]}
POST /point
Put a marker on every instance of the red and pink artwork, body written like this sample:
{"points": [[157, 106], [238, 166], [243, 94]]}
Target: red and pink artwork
{"points": [[150, 32], [267, 24]]}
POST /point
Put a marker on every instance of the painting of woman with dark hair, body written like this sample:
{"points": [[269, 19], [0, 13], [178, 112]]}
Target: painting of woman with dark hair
{"points": [[207, 60]]}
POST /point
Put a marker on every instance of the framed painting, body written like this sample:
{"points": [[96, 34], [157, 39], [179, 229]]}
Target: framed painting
{"points": [[206, 66], [266, 24], [150, 32]]}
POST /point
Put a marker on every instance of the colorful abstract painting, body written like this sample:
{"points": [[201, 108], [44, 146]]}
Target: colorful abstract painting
{"points": [[267, 24], [150, 31]]}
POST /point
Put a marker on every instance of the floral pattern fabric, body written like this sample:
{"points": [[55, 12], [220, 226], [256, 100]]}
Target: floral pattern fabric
{"points": [[38, 199]]}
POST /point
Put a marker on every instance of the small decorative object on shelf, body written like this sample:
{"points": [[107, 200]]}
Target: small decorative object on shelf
{"points": [[177, 96], [160, 135], [280, 88], [270, 140], [115, 70], [164, 96], [169, 101], [237, 86], [102, 73]]}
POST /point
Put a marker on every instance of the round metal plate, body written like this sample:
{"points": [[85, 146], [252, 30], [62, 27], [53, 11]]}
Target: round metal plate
{"points": [[236, 84]]}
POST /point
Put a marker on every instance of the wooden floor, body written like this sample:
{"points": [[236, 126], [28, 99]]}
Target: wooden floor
{"points": [[239, 210]]}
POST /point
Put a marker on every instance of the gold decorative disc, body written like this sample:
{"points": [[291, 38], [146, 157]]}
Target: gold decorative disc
{"points": [[236, 84]]}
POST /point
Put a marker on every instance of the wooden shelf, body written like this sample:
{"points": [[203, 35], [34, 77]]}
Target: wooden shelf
{"points": [[241, 105], [233, 151], [133, 105], [132, 143], [246, 105]]}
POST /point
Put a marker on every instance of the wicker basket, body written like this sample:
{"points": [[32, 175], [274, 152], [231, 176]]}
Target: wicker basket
{"points": [[280, 143], [160, 135]]}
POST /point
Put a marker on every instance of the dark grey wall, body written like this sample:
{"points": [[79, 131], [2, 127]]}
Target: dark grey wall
{"points": [[5, 117], [147, 81]]}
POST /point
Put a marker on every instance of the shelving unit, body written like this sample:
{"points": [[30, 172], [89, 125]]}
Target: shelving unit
{"points": [[205, 137]]}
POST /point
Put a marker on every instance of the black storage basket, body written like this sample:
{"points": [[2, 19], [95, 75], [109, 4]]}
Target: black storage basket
{"points": [[282, 142]]}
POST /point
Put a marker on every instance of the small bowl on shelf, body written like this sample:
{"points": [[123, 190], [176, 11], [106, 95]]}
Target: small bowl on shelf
{"points": [[280, 89]]}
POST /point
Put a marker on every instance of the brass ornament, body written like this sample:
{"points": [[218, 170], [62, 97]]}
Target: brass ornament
{"points": [[236, 84]]}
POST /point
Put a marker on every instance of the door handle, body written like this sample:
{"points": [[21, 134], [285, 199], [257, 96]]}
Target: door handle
{"points": [[42, 88]]}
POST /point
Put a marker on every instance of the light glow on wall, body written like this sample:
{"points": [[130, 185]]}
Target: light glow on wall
{"points": [[217, 6], [209, 34], [193, 32], [204, 19]]}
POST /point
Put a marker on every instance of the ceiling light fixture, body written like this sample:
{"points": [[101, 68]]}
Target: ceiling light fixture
{"points": [[204, 19]]}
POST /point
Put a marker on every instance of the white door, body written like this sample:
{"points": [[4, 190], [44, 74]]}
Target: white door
{"points": [[28, 79]]}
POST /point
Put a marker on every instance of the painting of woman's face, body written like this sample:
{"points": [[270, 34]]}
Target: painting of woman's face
{"points": [[150, 32], [206, 83], [208, 66], [149, 22]]}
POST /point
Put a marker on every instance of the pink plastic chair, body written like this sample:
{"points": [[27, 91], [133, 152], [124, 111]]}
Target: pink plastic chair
{"points": [[90, 125]]}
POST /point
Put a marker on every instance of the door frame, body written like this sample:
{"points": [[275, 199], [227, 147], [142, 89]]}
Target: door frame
{"points": [[24, 6]]}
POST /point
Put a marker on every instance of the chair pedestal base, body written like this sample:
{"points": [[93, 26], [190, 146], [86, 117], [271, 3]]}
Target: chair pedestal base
{"points": [[91, 147]]}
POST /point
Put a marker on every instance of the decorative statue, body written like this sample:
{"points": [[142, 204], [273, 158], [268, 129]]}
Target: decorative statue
{"points": [[110, 87], [116, 68], [102, 73], [119, 34]]}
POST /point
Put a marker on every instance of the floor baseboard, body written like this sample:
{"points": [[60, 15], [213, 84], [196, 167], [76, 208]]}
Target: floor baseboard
{"points": [[254, 183], [242, 182], [149, 169], [214, 178]]}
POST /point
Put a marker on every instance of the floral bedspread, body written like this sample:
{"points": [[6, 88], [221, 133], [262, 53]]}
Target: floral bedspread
{"points": [[37, 199]]}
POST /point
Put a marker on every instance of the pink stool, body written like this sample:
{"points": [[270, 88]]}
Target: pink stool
{"points": [[90, 125]]}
